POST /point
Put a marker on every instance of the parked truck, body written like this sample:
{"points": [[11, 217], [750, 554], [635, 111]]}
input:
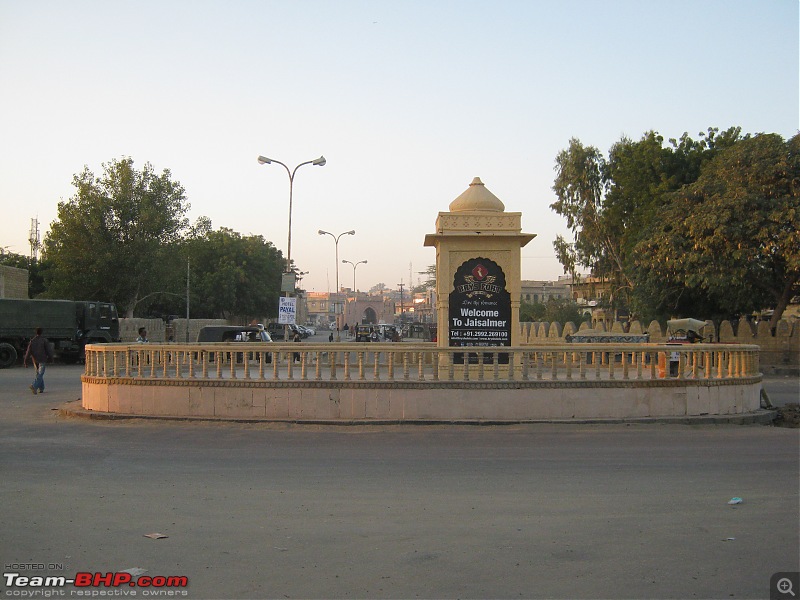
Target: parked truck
{"points": [[68, 325]]}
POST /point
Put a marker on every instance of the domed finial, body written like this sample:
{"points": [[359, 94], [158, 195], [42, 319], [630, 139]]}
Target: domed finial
{"points": [[477, 197]]}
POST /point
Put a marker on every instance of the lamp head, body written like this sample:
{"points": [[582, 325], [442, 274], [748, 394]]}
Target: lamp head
{"points": [[319, 162], [322, 232], [264, 160], [351, 232]]}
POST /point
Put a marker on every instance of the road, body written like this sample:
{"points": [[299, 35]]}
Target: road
{"points": [[269, 511]]}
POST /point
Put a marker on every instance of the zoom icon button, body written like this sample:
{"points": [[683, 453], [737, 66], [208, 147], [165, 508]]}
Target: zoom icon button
{"points": [[784, 585]]}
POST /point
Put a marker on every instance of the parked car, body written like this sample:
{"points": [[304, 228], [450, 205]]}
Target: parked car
{"points": [[234, 333]]}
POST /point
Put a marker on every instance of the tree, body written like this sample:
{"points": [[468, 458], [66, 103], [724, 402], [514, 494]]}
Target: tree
{"points": [[11, 259], [113, 239], [234, 275], [561, 310], [430, 280], [609, 203], [734, 234], [579, 189]]}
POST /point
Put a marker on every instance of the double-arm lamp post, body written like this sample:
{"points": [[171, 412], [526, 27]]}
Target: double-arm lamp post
{"points": [[318, 162], [354, 265], [336, 244]]}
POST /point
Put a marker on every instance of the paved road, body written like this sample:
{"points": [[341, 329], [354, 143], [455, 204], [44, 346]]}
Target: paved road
{"points": [[265, 511]]}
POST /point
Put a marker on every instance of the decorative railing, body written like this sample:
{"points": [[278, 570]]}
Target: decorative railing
{"points": [[399, 363]]}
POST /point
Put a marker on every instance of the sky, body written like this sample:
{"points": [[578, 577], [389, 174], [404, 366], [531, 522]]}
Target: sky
{"points": [[407, 100]]}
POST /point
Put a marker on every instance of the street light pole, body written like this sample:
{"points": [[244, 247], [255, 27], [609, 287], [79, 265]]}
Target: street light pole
{"points": [[361, 262], [317, 162], [336, 244], [187, 299]]}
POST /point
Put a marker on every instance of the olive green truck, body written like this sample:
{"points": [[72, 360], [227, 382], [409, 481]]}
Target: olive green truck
{"points": [[68, 325]]}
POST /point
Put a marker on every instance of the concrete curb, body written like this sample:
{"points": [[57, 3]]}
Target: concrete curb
{"points": [[760, 417]]}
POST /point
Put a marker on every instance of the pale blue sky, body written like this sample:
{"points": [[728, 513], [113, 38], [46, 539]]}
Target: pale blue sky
{"points": [[407, 100]]}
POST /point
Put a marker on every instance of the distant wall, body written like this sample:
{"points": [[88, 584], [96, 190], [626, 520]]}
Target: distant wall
{"points": [[13, 282], [780, 353], [157, 330]]}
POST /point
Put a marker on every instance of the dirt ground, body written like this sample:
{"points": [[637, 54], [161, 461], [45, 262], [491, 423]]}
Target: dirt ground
{"points": [[788, 416]]}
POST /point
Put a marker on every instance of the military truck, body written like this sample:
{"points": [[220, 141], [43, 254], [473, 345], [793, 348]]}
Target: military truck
{"points": [[68, 325]]}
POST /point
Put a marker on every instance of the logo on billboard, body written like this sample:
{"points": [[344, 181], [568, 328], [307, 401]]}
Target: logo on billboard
{"points": [[479, 283]]}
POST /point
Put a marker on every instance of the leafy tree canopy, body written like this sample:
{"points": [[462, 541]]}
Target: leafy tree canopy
{"points": [[733, 235], [112, 239], [562, 310], [610, 205], [430, 280], [234, 275]]}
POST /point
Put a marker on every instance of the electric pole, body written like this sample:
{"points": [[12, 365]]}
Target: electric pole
{"points": [[402, 308]]}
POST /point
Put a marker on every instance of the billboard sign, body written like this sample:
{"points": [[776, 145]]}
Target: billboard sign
{"points": [[480, 308], [287, 311]]}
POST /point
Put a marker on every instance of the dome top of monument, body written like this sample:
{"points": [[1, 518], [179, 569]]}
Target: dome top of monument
{"points": [[477, 197]]}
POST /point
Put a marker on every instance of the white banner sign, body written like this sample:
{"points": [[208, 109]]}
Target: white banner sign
{"points": [[287, 311]]}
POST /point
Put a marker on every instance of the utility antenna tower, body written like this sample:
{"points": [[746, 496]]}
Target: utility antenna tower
{"points": [[34, 239]]}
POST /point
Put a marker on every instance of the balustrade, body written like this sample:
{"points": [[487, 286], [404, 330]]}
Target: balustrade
{"points": [[359, 363]]}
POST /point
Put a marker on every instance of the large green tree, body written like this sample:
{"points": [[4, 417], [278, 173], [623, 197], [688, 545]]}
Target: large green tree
{"points": [[609, 202], [562, 310], [233, 275], [734, 234], [113, 239]]}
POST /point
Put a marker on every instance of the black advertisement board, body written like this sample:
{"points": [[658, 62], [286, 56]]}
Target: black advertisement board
{"points": [[480, 309]]}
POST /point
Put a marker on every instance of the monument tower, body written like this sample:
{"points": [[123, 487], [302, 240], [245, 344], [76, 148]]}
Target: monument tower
{"points": [[478, 270]]}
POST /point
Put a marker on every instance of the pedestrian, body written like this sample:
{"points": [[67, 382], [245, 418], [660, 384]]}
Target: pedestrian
{"points": [[39, 352], [297, 339], [330, 337], [142, 339]]}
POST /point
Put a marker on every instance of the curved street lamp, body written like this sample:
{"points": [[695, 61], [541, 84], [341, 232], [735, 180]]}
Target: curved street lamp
{"points": [[336, 243], [361, 262], [317, 162]]}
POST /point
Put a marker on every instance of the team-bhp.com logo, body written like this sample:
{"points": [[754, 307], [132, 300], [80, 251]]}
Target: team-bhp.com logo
{"points": [[93, 584]]}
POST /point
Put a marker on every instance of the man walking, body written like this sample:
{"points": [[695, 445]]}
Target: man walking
{"points": [[39, 351]]}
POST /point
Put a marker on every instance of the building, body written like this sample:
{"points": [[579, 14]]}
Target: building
{"points": [[588, 288], [320, 308], [367, 309], [326, 308], [540, 292], [13, 282]]}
